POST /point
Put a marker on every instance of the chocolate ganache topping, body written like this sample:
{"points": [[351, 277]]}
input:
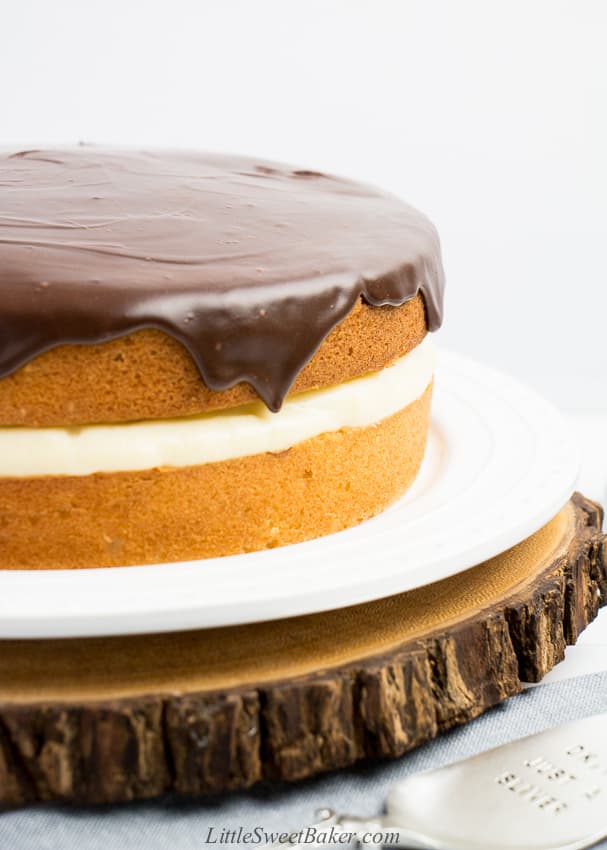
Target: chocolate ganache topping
{"points": [[248, 264]]}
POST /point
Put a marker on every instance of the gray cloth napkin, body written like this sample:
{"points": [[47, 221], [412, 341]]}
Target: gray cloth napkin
{"points": [[178, 825]]}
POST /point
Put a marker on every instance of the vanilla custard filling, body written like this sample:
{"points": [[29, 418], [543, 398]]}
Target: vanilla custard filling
{"points": [[216, 436]]}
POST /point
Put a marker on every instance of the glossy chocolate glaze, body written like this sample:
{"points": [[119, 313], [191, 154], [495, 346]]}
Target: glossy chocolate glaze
{"points": [[249, 264]]}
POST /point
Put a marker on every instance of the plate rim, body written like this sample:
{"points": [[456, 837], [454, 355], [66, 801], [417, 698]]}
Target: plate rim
{"points": [[91, 623]]}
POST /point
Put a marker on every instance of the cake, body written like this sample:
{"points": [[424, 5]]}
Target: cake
{"points": [[203, 355]]}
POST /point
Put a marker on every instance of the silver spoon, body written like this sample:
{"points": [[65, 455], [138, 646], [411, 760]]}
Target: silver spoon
{"points": [[544, 792]]}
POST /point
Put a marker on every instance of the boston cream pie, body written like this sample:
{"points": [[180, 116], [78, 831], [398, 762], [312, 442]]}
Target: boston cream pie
{"points": [[203, 355]]}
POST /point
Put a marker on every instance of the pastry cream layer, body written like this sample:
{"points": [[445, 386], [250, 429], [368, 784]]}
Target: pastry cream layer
{"points": [[211, 437]]}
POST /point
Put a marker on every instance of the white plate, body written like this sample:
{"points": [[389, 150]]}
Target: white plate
{"points": [[500, 463]]}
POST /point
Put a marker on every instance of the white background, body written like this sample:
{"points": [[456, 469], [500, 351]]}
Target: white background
{"points": [[489, 116]]}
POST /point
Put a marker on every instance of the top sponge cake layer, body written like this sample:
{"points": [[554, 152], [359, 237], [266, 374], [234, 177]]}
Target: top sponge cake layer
{"points": [[142, 285], [149, 375]]}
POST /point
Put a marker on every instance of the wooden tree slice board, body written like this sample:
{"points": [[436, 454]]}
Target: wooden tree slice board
{"points": [[116, 719]]}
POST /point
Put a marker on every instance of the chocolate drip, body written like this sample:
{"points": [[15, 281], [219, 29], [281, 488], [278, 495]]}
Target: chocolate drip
{"points": [[248, 264]]}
